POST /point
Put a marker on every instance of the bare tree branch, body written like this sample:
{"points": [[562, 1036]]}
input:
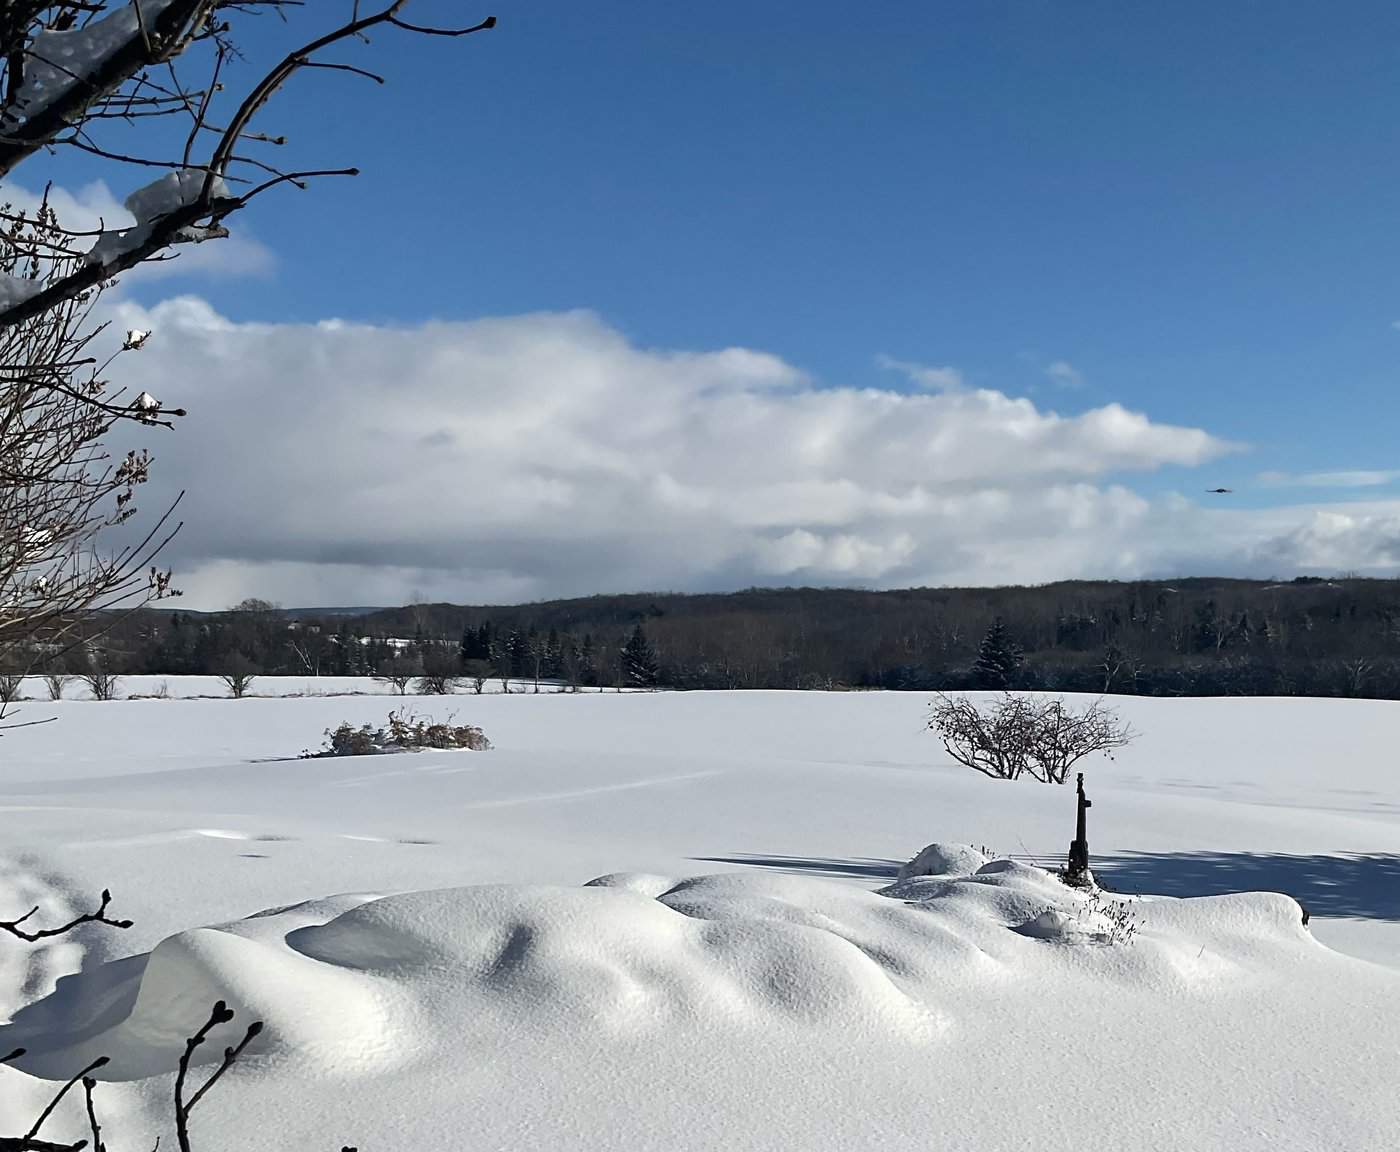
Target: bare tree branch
{"points": [[97, 917]]}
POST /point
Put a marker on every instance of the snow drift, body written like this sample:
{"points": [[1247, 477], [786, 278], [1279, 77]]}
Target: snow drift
{"points": [[647, 1011]]}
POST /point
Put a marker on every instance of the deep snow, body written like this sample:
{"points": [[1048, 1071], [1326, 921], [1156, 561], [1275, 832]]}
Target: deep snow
{"points": [[784, 1004]]}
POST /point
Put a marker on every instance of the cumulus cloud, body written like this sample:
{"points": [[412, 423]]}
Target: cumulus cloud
{"points": [[929, 376], [1362, 538], [543, 455], [1065, 374]]}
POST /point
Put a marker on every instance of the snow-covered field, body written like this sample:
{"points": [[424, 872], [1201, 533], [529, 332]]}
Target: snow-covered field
{"points": [[489, 1000]]}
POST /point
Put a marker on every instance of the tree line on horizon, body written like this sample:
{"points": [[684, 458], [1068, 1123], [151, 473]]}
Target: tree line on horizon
{"points": [[1309, 636]]}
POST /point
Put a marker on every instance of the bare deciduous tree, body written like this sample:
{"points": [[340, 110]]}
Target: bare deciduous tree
{"points": [[238, 674], [55, 682], [59, 487], [440, 672], [100, 77], [399, 673], [139, 85], [478, 672], [1019, 735]]}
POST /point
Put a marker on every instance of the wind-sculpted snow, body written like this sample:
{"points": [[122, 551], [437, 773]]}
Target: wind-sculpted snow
{"points": [[497, 1003], [732, 975]]}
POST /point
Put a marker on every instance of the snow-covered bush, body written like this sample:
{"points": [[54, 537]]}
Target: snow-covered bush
{"points": [[1098, 920], [404, 732], [1017, 734], [945, 860]]}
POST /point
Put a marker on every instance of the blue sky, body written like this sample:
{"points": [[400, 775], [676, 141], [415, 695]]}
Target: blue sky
{"points": [[1188, 210], [1193, 205]]}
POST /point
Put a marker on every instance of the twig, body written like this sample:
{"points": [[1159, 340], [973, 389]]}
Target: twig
{"points": [[97, 917], [221, 1014]]}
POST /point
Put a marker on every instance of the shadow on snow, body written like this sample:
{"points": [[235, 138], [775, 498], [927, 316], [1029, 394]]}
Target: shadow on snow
{"points": [[1364, 886], [814, 865]]}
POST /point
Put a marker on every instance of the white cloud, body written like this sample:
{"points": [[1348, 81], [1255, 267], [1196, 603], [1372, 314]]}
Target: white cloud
{"points": [[1361, 538], [931, 377], [1359, 478], [543, 455], [1065, 374]]}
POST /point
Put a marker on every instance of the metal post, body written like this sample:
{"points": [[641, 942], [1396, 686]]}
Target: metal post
{"points": [[1077, 875]]}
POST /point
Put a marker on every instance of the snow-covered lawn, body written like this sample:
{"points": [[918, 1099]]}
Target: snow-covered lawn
{"points": [[489, 1000]]}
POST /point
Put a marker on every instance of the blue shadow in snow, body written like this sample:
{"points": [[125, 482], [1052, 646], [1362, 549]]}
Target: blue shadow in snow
{"points": [[814, 865], [1365, 886]]}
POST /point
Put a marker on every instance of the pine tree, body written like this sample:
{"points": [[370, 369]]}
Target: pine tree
{"points": [[587, 662], [998, 659], [553, 656], [639, 666], [517, 651]]}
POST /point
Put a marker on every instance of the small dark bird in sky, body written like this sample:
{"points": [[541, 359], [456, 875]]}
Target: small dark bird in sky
{"points": [[1219, 491]]}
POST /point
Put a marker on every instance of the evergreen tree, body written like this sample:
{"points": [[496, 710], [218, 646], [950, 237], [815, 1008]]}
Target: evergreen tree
{"points": [[998, 658], [587, 662], [517, 653], [639, 666]]}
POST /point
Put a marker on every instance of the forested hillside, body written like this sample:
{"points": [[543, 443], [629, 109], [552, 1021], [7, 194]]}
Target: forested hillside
{"points": [[1308, 636]]}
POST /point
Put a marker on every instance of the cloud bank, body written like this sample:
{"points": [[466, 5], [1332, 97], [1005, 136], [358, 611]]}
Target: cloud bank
{"points": [[547, 455]]}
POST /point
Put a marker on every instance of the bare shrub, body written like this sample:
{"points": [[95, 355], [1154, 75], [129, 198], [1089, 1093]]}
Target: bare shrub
{"points": [[56, 682], [101, 683], [11, 685], [1063, 736], [347, 740], [1019, 735], [404, 732], [436, 684], [994, 742], [409, 731]]}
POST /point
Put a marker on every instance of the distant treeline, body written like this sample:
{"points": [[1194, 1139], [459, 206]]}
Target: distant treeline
{"points": [[1306, 637]]}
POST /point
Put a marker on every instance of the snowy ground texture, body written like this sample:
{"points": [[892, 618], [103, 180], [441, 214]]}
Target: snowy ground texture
{"points": [[745, 970]]}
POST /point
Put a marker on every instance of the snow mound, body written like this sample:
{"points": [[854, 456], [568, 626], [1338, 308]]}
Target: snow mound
{"points": [[944, 860], [347, 983], [673, 1001], [1054, 924], [643, 883]]}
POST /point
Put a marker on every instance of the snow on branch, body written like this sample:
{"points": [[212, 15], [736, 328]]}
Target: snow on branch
{"points": [[62, 81]]}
